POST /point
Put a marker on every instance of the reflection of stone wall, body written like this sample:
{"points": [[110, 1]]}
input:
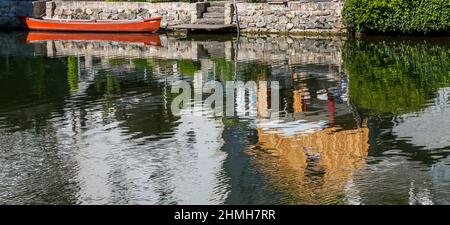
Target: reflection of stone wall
{"points": [[305, 16], [11, 44], [170, 49], [266, 49], [296, 50]]}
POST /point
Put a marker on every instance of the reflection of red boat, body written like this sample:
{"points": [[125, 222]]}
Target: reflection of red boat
{"points": [[147, 25], [147, 39]]}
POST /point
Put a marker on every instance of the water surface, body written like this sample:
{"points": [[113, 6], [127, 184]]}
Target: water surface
{"points": [[89, 122]]}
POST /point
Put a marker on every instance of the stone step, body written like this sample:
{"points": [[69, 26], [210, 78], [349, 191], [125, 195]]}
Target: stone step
{"points": [[217, 4], [215, 9], [213, 15], [211, 21]]}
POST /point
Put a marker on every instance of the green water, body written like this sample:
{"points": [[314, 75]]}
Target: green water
{"points": [[89, 122]]}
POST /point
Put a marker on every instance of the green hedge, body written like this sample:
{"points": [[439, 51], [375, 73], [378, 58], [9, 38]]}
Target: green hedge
{"points": [[397, 16]]}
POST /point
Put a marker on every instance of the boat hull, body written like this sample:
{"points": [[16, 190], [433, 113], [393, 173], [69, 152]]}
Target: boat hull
{"points": [[149, 25]]}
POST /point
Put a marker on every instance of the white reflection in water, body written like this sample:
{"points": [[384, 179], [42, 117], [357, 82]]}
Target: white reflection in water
{"points": [[429, 128], [182, 168]]}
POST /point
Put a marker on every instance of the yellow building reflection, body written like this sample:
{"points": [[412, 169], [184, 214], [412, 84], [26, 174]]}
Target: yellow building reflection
{"points": [[311, 167]]}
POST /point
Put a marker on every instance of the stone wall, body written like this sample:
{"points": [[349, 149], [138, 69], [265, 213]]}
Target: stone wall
{"points": [[303, 16], [173, 13], [9, 10]]}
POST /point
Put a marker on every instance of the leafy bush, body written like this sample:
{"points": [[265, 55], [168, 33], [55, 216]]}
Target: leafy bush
{"points": [[397, 16]]}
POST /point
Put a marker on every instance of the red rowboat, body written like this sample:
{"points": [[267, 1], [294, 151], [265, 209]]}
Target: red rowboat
{"points": [[147, 39], [147, 25]]}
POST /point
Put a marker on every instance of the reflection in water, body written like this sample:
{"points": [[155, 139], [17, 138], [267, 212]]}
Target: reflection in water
{"points": [[313, 168], [89, 121], [142, 38], [309, 155]]}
